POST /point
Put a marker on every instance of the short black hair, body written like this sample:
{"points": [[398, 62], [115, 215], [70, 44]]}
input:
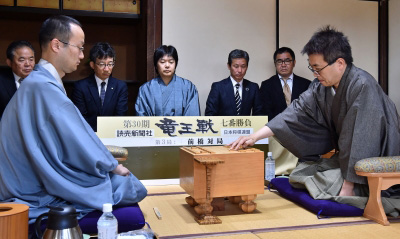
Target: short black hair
{"points": [[59, 27], [283, 50], [162, 51], [235, 54], [16, 45], [331, 43], [101, 50]]}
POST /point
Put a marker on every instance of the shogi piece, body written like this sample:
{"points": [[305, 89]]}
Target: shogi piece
{"points": [[215, 171]]}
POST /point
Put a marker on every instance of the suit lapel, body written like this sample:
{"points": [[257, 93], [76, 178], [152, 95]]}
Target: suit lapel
{"points": [[10, 83], [230, 96], [279, 91], [94, 91], [110, 91], [295, 88], [245, 95]]}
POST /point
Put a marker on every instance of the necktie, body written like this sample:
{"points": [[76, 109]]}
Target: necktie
{"points": [[237, 99], [102, 92], [20, 80], [286, 92]]}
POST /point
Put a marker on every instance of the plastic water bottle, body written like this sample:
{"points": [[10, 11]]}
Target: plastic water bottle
{"points": [[107, 225], [269, 167]]}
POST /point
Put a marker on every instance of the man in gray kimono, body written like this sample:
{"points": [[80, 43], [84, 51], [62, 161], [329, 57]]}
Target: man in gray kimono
{"points": [[343, 109]]}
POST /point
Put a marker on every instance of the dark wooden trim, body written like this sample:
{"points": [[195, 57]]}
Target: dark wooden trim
{"points": [[383, 44], [154, 32], [277, 24], [49, 11]]}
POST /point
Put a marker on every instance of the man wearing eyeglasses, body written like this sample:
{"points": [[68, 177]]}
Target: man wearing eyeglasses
{"points": [[49, 155], [280, 90], [276, 93], [344, 109], [100, 94]]}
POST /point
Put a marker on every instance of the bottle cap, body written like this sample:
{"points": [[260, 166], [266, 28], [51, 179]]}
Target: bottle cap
{"points": [[107, 207], [269, 154]]}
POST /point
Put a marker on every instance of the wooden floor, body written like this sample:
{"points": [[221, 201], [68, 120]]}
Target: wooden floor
{"points": [[275, 217]]}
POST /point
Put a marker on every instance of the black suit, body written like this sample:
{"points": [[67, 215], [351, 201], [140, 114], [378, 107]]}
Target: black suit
{"points": [[7, 88], [87, 99], [272, 97], [221, 100]]}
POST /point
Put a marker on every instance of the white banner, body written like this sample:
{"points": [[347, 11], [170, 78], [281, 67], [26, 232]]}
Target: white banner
{"points": [[177, 130]]}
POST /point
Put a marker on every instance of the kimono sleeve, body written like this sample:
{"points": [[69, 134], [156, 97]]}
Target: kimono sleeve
{"points": [[303, 127], [369, 128], [143, 104], [192, 105]]}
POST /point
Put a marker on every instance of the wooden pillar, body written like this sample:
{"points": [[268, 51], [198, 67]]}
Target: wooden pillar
{"points": [[383, 43], [153, 17]]}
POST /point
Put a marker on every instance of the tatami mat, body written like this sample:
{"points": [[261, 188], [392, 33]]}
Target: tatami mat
{"points": [[369, 231], [164, 189], [272, 212]]}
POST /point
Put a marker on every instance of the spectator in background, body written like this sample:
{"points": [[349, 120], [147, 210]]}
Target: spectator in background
{"points": [[168, 94], [276, 94], [100, 94], [21, 60], [234, 95]]}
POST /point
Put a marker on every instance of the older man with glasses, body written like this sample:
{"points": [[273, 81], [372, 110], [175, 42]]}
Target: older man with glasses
{"points": [[100, 94], [281, 89], [276, 93], [344, 109], [21, 60]]}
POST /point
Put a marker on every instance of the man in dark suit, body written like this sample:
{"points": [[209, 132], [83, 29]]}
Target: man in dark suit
{"points": [[21, 60], [234, 95], [272, 94], [276, 94], [100, 94]]}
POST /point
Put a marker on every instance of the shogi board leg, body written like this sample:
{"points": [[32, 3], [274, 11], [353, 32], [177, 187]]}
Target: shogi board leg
{"points": [[204, 209], [248, 205], [374, 209], [218, 204], [191, 201], [235, 199]]}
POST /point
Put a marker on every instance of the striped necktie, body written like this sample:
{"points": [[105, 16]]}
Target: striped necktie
{"points": [[237, 99], [286, 92], [102, 92]]}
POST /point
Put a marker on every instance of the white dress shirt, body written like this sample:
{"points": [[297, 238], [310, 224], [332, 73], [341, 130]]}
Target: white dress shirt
{"points": [[289, 81]]}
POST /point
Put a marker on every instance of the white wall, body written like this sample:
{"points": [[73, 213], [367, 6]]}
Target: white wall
{"points": [[394, 52], [358, 20], [205, 31]]}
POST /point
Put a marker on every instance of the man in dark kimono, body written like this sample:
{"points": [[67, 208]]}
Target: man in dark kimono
{"points": [[343, 109]]}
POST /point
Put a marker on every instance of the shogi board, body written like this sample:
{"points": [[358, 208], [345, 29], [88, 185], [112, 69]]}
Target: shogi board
{"points": [[241, 173]]}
